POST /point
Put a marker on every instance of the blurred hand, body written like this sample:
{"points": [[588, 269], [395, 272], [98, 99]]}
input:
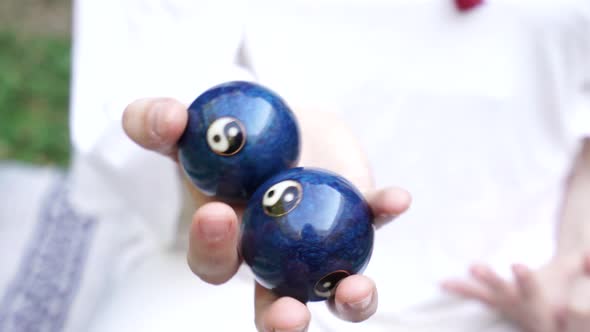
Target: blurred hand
{"points": [[555, 298], [157, 124]]}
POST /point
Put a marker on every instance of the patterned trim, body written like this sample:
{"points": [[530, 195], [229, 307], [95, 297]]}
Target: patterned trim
{"points": [[42, 291]]}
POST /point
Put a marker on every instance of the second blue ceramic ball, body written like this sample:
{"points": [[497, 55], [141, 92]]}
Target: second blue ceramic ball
{"points": [[304, 230], [238, 135]]}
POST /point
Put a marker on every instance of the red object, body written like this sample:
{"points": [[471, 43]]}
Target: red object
{"points": [[465, 5]]}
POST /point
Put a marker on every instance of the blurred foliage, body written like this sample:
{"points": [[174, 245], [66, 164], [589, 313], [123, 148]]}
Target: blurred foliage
{"points": [[34, 90]]}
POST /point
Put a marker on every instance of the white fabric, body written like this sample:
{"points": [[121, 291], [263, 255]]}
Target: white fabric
{"points": [[478, 114]]}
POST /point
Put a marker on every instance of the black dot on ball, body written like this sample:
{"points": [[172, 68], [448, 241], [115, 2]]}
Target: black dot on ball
{"points": [[216, 138], [325, 286]]}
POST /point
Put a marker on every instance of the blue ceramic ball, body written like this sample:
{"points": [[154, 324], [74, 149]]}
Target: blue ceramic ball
{"points": [[304, 230], [238, 135]]}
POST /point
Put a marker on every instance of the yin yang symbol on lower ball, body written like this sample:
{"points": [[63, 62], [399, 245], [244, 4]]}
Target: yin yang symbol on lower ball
{"points": [[304, 230]]}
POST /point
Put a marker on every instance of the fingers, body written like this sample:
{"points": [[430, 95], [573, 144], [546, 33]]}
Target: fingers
{"points": [[156, 124], [388, 203], [526, 284], [279, 314], [489, 288], [470, 291], [495, 291], [355, 299], [213, 242], [490, 279]]}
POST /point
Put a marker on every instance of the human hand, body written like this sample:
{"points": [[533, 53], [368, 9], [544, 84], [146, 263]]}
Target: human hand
{"points": [[555, 298], [157, 124]]}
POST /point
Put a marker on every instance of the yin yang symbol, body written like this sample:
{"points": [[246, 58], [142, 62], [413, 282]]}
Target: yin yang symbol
{"points": [[282, 198], [325, 287], [226, 136]]}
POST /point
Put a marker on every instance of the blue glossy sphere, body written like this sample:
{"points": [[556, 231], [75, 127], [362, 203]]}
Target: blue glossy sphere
{"points": [[304, 230], [238, 135]]}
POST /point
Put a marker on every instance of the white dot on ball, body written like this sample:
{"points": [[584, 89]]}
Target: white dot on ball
{"points": [[233, 131], [327, 284], [289, 197]]}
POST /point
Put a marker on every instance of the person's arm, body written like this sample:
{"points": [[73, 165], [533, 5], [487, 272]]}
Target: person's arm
{"points": [[573, 236]]}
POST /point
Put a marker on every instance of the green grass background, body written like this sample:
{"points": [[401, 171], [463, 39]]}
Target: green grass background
{"points": [[34, 89]]}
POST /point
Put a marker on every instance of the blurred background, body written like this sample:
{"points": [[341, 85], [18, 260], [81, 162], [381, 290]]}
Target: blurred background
{"points": [[34, 81]]}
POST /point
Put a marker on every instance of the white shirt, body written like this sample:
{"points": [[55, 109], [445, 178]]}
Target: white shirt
{"points": [[478, 114]]}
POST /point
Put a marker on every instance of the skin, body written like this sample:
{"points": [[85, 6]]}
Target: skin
{"points": [[555, 297], [157, 123]]}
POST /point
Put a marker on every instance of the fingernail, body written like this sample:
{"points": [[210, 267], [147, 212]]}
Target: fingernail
{"points": [[362, 304], [214, 230], [156, 118]]}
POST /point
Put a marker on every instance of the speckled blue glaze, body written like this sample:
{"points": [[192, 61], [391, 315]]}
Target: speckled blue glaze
{"points": [[272, 141], [329, 230]]}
